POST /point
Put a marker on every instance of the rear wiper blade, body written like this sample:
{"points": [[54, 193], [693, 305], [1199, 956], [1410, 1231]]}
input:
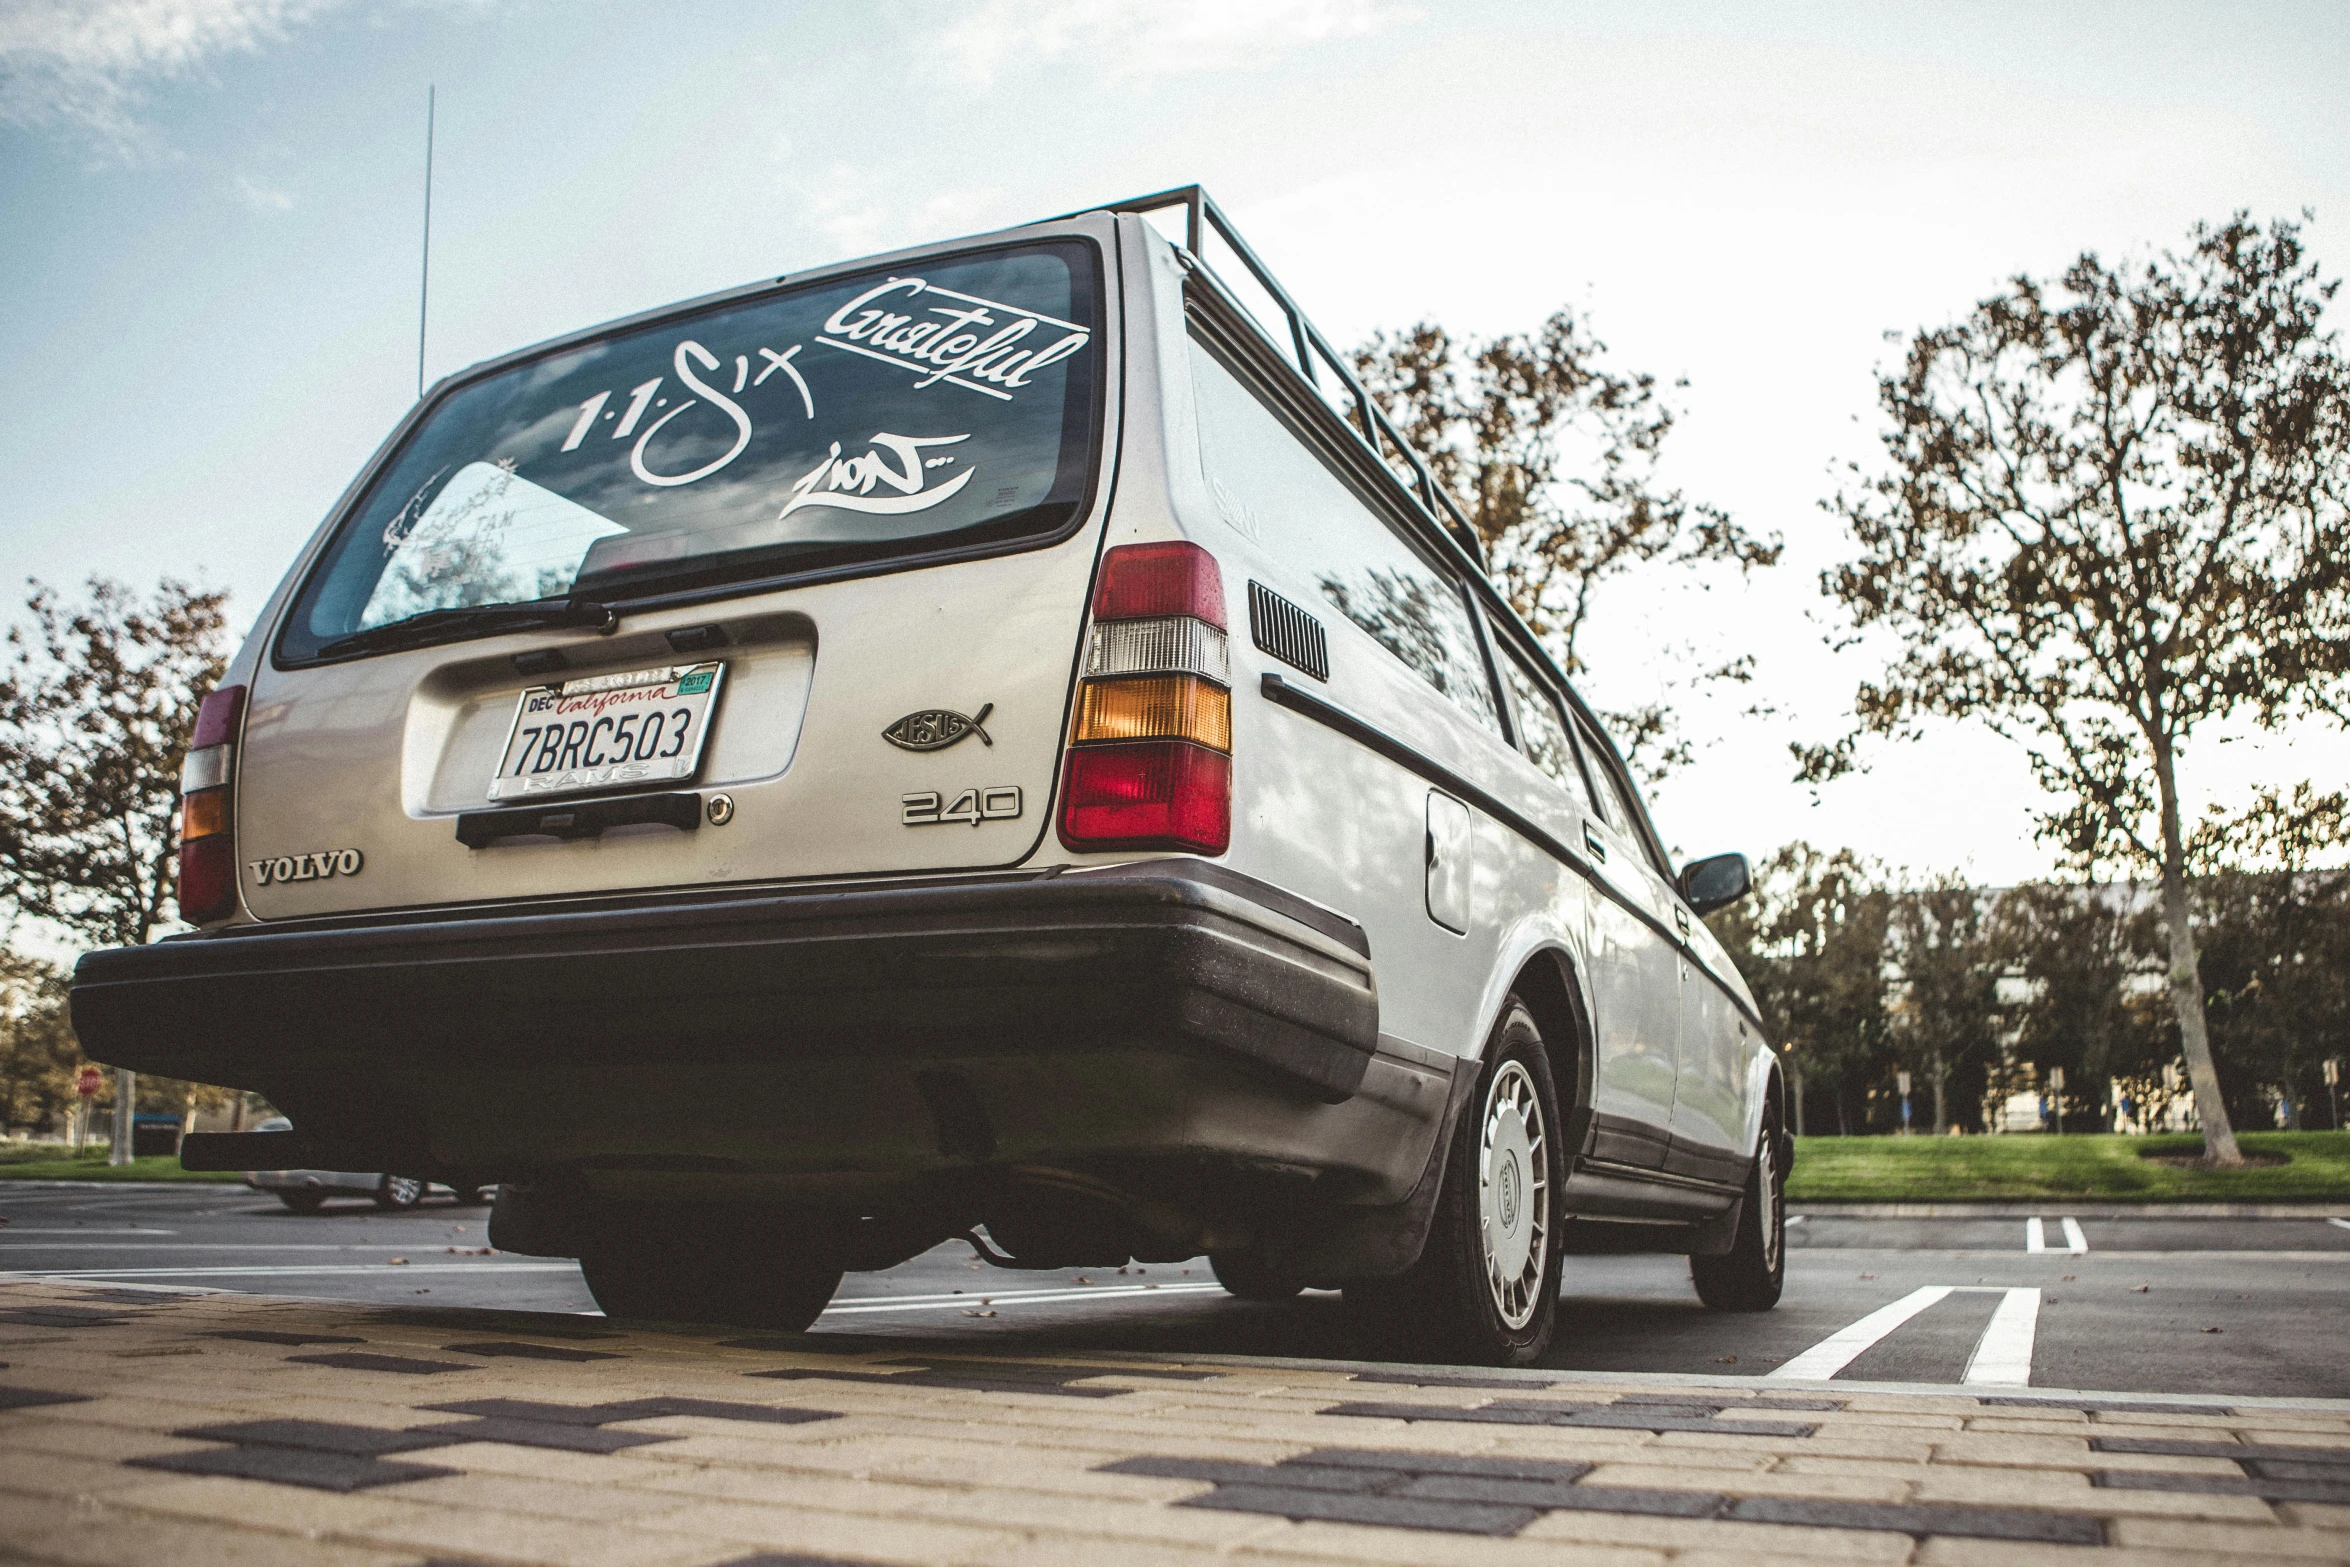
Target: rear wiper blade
{"points": [[473, 620]]}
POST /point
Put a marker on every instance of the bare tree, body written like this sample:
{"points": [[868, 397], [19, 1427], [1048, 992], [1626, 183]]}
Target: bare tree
{"points": [[2112, 513], [96, 707], [1553, 452]]}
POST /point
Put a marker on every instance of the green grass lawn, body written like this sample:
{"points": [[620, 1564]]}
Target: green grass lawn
{"points": [[1969, 1169], [55, 1162]]}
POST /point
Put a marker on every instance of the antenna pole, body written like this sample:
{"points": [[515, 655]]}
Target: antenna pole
{"points": [[424, 284]]}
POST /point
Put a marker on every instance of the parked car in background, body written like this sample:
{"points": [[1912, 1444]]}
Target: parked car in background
{"points": [[306, 1191]]}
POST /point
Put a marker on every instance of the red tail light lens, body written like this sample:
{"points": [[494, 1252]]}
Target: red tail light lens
{"points": [[1163, 794], [208, 879], [216, 720], [1146, 580]]}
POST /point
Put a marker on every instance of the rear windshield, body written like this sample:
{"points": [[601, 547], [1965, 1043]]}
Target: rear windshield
{"points": [[942, 407]]}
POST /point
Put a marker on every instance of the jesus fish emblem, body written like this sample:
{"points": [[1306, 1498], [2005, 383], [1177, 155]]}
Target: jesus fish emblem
{"points": [[936, 728]]}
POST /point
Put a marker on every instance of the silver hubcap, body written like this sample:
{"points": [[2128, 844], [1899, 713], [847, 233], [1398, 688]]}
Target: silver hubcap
{"points": [[1767, 1170], [1513, 1194], [402, 1190]]}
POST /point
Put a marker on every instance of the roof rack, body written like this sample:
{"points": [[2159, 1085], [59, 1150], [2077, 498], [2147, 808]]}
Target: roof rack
{"points": [[1313, 354]]}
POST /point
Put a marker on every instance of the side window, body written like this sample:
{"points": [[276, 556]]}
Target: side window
{"points": [[1271, 486], [1617, 802], [1542, 728]]}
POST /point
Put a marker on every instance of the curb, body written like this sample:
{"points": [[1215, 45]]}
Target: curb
{"points": [[2079, 1208]]}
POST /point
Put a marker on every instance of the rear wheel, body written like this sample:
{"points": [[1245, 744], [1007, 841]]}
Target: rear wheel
{"points": [[1751, 1274], [303, 1202], [399, 1191], [738, 1284], [1485, 1289]]}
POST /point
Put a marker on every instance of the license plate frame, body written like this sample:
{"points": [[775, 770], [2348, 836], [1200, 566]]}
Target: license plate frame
{"points": [[592, 711]]}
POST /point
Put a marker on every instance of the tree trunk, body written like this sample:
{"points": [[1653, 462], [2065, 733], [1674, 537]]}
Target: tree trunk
{"points": [[1843, 1127], [2186, 975], [126, 1105], [1939, 1075]]}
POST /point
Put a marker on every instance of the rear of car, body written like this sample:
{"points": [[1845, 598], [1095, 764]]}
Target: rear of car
{"points": [[721, 764], [936, 744]]}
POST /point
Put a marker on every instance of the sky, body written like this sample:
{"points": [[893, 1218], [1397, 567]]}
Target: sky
{"points": [[210, 216]]}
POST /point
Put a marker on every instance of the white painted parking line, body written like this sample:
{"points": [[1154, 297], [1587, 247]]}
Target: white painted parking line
{"points": [[13, 1231], [1797, 1218], [1841, 1348], [9, 1245], [2003, 1355], [261, 1273], [1070, 1297], [2036, 1237], [2344, 1223]]}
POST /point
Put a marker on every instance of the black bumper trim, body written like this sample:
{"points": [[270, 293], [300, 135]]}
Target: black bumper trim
{"points": [[1152, 954]]}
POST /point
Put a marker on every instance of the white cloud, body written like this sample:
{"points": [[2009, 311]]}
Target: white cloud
{"points": [[263, 198], [1152, 37], [84, 65]]}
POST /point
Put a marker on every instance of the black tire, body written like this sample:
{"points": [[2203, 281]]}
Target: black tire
{"points": [[1251, 1275], [737, 1284], [399, 1191], [303, 1202], [1751, 1274], [1485, 1290], [470, 1196]]}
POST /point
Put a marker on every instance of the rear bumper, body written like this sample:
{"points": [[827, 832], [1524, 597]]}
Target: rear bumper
{"points": [[1159, 1007]]}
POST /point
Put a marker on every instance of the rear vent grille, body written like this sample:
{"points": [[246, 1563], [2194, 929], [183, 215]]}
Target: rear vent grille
{"points": [[1287, 632]]}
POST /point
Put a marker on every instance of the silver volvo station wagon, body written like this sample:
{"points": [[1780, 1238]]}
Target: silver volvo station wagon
{"points": [[997, 737]]}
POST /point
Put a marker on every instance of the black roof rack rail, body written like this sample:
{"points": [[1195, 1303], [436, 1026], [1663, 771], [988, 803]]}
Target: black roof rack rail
{"points": [[1307, 345]]}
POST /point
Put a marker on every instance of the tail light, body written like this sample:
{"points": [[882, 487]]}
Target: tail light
{"points": [[208, 840], [1150, 754]]}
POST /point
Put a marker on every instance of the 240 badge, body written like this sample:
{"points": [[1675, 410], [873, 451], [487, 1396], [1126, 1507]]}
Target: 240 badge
{"points": [[930, 808]]}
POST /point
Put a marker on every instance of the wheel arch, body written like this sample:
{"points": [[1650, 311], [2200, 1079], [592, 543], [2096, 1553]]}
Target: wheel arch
{"points": [[1548, 985]]}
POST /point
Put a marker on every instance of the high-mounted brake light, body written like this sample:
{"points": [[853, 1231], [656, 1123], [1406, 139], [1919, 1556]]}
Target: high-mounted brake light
{"points": [[1150, 763], [208, 841]]}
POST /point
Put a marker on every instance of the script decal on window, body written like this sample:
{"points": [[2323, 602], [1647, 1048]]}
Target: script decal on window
{"points": [[972, 341]]}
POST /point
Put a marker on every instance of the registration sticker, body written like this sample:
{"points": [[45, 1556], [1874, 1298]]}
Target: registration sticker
{"points": [[608, 732]]}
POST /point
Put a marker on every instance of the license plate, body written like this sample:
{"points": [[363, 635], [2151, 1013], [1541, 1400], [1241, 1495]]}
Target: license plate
{"points": [[608, 732]]}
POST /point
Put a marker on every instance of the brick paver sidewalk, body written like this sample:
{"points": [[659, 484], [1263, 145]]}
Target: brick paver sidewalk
{"points": [[144, 1428]]}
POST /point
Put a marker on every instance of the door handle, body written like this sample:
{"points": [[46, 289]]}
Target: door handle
{"points": [[1681, 918], [1596, 844]]}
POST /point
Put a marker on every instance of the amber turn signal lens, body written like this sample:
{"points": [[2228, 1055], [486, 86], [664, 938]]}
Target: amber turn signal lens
{"points": [[203, 814], [1155, 707]]}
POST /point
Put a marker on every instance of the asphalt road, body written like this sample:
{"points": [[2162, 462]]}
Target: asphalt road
{"points": [[2247, 1307]]}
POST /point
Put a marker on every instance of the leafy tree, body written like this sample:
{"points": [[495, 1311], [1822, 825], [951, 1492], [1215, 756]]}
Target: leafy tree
{"points": [[2080, 951], [2276, 947], [1553, 453], [2111, 514], [1811, 943], [1945, 1019], [96, 706], [38, 1055]]}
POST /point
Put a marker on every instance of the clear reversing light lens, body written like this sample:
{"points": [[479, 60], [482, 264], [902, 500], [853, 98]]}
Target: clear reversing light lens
{"points": [[204, 769], [1167, 645]]}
